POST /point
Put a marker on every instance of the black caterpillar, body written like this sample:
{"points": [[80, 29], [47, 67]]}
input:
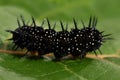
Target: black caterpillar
{"points": [[76, 42]]}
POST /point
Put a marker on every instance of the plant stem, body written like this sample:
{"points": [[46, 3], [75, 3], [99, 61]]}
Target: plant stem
{"points": [[88, 55]]}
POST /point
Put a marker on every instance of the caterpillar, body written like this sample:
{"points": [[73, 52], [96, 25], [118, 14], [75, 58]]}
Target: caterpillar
{"points": [[76, 42]]}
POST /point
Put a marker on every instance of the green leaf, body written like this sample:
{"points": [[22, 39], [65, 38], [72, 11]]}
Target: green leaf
{"points": [[15, 68], [86, 69]]}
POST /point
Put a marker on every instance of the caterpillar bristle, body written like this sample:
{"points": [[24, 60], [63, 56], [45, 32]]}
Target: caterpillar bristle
{"points": [[54, 26], [106, 35], [100, 51], [42, 23], [49, 27], [33, 20], [95, 52], [62, 25], [22, 20], [18, 23], [83, 23], [94, 22], [75, 24], [90, 20], [10, 39]]}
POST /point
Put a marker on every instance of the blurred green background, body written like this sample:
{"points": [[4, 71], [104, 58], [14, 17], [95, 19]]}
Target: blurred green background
{"points": [[106, 11], [108, 14]]}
